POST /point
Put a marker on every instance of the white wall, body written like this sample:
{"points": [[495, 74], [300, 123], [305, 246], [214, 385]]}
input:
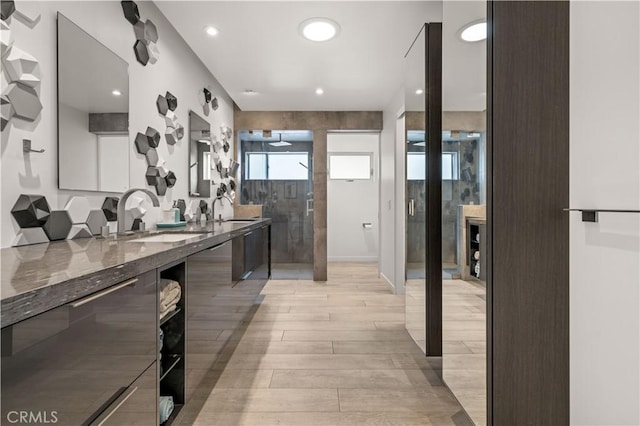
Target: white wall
{"points": [[391, 201], [178, 70], [350, 204], [605, 256]]}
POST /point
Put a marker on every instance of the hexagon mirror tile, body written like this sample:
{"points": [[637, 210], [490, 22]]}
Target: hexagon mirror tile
{"points": [[78, 208], [96, 221], [142, 54], [31, 211], [131, 12], [58, 225], [24, 100], [7, 7], [110, 208], [153, 137]]}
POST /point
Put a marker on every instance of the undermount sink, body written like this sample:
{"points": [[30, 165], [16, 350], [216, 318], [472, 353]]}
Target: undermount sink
{"points": [[165, 238]]}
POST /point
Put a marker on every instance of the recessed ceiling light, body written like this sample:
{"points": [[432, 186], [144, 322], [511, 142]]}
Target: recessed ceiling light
{"points": [[319, 29], [474, 31], [250, 92], [319, 91], [419, 92], [116, 92], [211, 31]]}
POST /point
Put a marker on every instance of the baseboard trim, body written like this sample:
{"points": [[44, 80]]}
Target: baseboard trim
{"points": [[388, 281]]}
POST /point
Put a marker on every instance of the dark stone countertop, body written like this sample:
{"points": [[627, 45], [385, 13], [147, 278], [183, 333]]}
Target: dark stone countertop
{"points": [[40, 277]]}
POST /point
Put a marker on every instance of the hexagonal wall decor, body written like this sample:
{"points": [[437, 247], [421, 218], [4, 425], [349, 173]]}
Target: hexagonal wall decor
{"points": [[131, 12], [180, 131], [22, 67], [6, 39], [96, 221], [154, 53], [152, 157], [207, 95], [203, 206], [142, 143], [78, 208], [153, 137], [24, 100], [7, 112], [171, 136], [152, 175], [171, 179], [7, 8], [31, 211], [110, 208], [161, 187], [58, 225], [162, 105], [172, 101], [214, 103], [138, 29], [28, 236], [79, 230], [150, 31], [142, 54]]}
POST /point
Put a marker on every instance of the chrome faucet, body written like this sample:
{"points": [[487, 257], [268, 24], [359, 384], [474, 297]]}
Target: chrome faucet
{"points": [[213, 206], [123, 202]]}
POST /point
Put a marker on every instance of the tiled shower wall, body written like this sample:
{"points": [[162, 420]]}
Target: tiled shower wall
{"points": [[465, 190], [285, 202]]}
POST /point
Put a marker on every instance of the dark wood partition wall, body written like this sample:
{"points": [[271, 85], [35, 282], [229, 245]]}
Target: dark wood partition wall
{"points": [[528, 244], [433, 278]]}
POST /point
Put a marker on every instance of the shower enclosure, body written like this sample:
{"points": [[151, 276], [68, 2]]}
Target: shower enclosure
{"points": [[277, 173]]}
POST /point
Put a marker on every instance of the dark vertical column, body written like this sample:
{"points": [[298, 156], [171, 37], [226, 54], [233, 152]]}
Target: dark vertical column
{"points": [[433, 278], [528, 163], [319, 205]]}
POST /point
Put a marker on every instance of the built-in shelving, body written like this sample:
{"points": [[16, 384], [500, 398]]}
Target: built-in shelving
{"points": [[172, 374], [168, 363]]}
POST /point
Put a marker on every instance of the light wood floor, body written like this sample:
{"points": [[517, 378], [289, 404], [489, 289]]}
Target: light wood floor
{"points": [[333, 353], [464, 358]]}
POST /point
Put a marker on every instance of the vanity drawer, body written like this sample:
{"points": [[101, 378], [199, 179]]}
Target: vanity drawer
{"points": [[73, 360]]}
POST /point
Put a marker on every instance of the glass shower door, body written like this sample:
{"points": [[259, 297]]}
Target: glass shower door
{"points": [[277, 173]]}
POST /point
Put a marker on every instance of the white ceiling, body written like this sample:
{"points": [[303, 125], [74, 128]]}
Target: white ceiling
{"points": [[259, 48]]}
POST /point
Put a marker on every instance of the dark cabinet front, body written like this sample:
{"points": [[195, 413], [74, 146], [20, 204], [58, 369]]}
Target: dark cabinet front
{"points": [[211, 312], [73, 362]]}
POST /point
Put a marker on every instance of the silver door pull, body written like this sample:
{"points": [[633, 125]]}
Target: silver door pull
{"points": [[367, 225], [117, 404], [103, 293]]}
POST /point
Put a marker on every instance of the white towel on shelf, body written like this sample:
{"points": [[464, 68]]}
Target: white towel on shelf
{"points": [[168, 310], [170, 292]]}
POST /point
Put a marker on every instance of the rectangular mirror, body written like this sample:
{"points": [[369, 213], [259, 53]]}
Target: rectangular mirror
{"points": [[93, 113], [199, 156]]}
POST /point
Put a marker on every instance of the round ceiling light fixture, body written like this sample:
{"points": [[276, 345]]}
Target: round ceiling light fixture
{"points": [[319, 91], [250, 92], [116, 92], [474, 31], [419, 92], [211, 31], [319, 29]]}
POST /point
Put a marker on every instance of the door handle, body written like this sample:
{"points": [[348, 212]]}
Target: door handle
{"points": [[412, 207], [116, 405], [103, 293]]}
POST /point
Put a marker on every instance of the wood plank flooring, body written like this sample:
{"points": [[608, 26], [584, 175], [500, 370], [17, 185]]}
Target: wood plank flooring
{"points": [[333, 353]]}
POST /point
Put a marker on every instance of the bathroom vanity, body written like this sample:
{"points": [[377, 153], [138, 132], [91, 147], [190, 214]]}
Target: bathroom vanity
{"points": [[80, 320]]}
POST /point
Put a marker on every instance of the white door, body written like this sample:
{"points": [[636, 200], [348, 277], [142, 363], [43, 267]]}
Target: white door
{"points": [[353, 197]]}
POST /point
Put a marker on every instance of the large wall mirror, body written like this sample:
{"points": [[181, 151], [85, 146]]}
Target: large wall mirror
{"points": [[93, 113], [200, 178]]}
